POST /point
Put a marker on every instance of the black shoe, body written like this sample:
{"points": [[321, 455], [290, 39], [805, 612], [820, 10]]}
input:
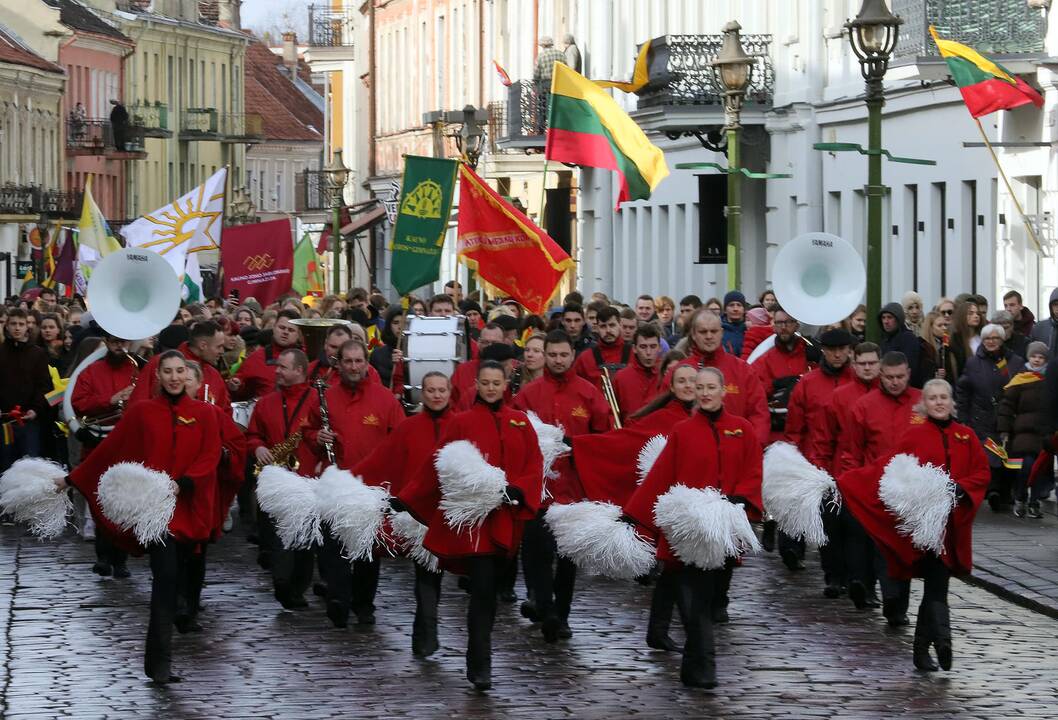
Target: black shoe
{"points": [[121, 572], [767, 537], [426, 647], [549, 629], [166, 679], [922, 659], [464, 583], [898, 620], [790, 560], [894, 613], [530, 611], [1032, 513], [508, 596], [102, 569], [1019, 509], [858, 594], [832, 591], [480, 681], [564, 630], [338, 614], [253, 539], [872, 600], [662, 642], [704, 679], [297, 602], [944, 653], [264, 560], [186, 624], [319, 589], [720, 616], [365, 617], [289, 600], [941, 618], [995, 502]]}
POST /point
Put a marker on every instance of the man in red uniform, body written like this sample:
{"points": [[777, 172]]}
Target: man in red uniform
{"points": [[876, 425], [610, 352], [204, 345], [336, 337], [257, 374], [396, 461], [464, 379], [362, 414], [780, 367], [558, 397], [278, 417], [638, 384], [174, 434], [805, 423], [102, 388], [745, 395]]}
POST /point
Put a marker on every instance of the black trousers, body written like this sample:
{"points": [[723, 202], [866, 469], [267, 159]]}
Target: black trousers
{"points": [[787, 543], [694, 599], [933, 622], [896, 594], [832, 555], [484, 573], [106, 552], [859, 551], [662, 602], [1002, 482], [550, 584], [291, 570], [427, 597], [721, 583], [176, 583], [350, 585]]}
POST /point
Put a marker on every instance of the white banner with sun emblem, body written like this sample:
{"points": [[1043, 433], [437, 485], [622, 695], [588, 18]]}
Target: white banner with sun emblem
{"points": [[190, 224]]}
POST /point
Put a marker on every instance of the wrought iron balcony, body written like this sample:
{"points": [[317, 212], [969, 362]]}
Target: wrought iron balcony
{"points": [[199, 124], [681, 74], [311, 191], [329, 27], [153, 119], [58, 204], [89, 136], [17, 199], [242, 127], [992, 27], [522, 121]]}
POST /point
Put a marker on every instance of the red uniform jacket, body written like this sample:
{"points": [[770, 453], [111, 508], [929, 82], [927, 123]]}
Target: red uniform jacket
{"points": [[331, 377], [507, 440], [778, 363], [806, 413], [258, 373], [231, 472], [588, 367], [147, 385], [745, 395], [99, 382], [179, 438], [576, 405], [827, 451], [954, 448], [702, 452], [277, 415], [361, 418], [607, 463], [876, 424], [635, 386], [754, 336], [464, 381], [400, 457]]}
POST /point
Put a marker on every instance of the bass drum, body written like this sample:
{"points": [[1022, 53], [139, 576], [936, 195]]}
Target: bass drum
{"points": [[432, 344]]}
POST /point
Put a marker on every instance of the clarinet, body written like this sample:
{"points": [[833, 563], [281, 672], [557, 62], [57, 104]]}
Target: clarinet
{"points": [[325, 417]]}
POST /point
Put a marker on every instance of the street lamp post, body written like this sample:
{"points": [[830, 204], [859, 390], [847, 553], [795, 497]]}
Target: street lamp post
{"points": [[733, 69], [468, 140], [873, 34], [241, 208], [337, 175]]}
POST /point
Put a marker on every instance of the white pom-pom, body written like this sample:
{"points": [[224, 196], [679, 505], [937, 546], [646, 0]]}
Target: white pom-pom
{"points": [[137, 498], [470, 487], [353, 511], [552, 445], [591, 535], [291, 501], [28, 493], [409, 534], [921, 497], [702, 527], [648, 455], [794, 491]]}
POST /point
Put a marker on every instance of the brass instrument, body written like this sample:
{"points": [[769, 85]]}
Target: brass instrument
{"points": [[101, 425], [282, 454], [611, 396]]}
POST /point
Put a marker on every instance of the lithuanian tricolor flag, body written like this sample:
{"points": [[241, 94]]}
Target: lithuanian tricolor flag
{"points": [[985, 85], [586, 127]]}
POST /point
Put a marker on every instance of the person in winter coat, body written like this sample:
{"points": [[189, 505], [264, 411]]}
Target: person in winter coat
{"points": [[1044, 330], [977, 393], [734, 322], [1020, 420], [897, 337]]}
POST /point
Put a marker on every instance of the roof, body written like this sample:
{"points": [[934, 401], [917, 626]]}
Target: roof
{"points": [[14, 52], [78, 17], [287, 113]]}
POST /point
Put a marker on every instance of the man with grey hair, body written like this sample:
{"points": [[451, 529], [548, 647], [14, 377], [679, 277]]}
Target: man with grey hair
{"points": [[542, 72], [1014, 341]]}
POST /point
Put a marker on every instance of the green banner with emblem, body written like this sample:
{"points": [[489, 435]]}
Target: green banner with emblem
{"points": [[422, 220]]}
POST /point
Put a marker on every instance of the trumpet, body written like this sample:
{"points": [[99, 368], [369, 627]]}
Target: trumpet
{"points": [[611, 396]]}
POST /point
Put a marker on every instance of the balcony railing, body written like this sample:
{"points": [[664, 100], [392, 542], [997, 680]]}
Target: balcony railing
{"points": [[329, 27], [200, 123], [88, 136], [311, 191], [681, 74], [17, 199], [992, 27], [57, 204], [241, 127], [152, 119], [522, 121]]}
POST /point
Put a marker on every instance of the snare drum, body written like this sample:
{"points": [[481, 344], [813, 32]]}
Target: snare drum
{"points": [[432, 344], [241, 412]]}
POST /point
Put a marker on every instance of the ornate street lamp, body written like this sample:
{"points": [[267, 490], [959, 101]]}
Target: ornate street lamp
{"points": [[337, 175], [470, 135], [241, 208], [873, 35], [733, 70]]}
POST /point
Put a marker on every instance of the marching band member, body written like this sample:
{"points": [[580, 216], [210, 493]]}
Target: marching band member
{"points": [[179, 436], [610, 352], [276, 426], [506, 440], [362, 414], [327, 366], [561, 398], [257, 376], [464, 379], [939, 440], [204, 345], [714, 448], [638, 383], [781, 367], [876, 424], [395, 461]]}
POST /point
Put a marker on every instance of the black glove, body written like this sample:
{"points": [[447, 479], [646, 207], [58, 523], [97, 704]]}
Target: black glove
{"points": [[515, 496], [627, 519], [185, 484], [738, 500], [397, 506], [960, 494]]}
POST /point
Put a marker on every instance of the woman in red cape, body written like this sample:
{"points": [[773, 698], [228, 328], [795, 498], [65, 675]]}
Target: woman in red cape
{"points": [[711, 449], [506, 440], [944, 443], [179, 436]]}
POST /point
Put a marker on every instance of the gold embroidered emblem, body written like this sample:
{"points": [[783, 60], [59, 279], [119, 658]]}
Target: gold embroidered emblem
{"points": [[732, 389], [371, 420], [579, 412], [185, 421], [518, 423], [737, 432], [917, 420]]}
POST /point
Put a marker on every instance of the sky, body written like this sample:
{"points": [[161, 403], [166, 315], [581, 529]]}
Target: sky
{"points": [[276, 16]]}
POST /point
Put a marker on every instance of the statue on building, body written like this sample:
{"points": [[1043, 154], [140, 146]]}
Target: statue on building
{"points": [[542, 72], [572, 52]]}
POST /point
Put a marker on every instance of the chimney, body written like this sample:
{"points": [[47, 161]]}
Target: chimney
{"points": [[228, 14], [290, 52]]}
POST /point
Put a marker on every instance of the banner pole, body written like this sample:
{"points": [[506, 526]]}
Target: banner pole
{"points": [[1006, 181]]}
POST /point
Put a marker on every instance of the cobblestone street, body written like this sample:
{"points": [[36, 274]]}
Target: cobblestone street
{"points": [[73, 643]]}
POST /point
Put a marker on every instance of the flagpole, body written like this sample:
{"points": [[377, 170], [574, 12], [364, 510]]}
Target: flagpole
{"points": [[1006, 181]]}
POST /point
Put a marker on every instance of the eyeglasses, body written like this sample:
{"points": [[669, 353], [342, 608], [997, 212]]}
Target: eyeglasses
{"points": [[947, 312], [784, 322]]}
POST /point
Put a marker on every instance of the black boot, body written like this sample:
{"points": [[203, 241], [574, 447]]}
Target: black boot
{"points": [[661, 605], [923, 637], [424, 630], [767, 538], [942, 633]]}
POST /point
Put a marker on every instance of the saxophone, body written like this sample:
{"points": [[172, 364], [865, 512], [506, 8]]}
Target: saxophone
{"points": [[282, 454]]}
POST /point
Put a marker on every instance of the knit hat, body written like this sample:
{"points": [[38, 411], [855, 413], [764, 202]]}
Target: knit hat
{"points": [[734, 296], [758, 316], [172, 336], [468, 305], [836, 337], [1036, 348]]}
